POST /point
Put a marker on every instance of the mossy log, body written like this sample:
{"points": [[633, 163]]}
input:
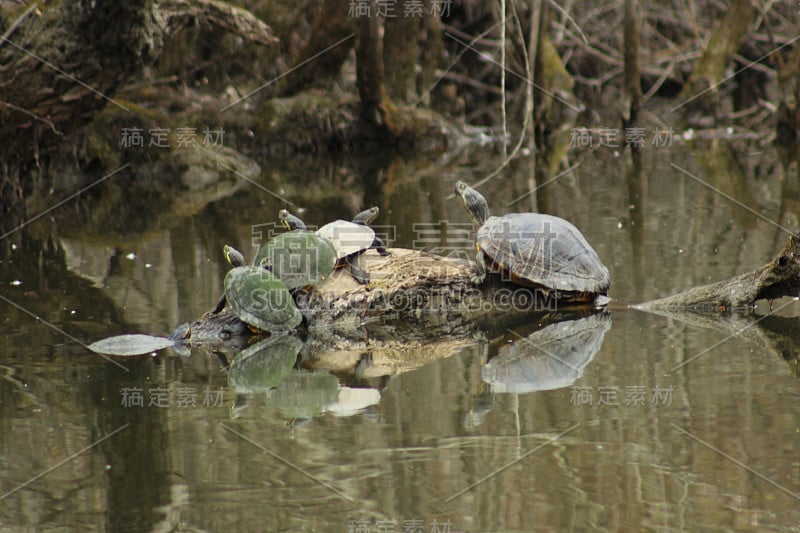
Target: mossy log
{"points": [[780, 277]]}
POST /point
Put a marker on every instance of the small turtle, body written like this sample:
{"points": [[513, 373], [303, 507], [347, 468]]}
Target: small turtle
{"points": [[365, 218], [290, 221], [350, 239], [300, 258], [261, 300], [535, 250], [235, 258], [256, 296]]}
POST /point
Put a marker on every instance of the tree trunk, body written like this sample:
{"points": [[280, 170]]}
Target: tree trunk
{"points": [[377, 110], [700, 92], [431, 52], [632, 85], [330, 40], [788, 115], [400, 50]]}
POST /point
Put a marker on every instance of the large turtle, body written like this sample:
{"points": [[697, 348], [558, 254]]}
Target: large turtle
{"points": [[535, 250], [300, 258], [350, 239]]}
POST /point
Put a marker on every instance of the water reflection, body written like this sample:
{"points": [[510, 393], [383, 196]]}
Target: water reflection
{"points": [[429, 424], [551, 357], [264, 365]]}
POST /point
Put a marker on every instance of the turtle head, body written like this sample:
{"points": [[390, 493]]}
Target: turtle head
{"points": [[366, 217], [473, 202], [290, 221], [233, 256]]}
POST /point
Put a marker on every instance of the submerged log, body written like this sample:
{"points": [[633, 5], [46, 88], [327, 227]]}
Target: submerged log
{"points": [[780, 277]]}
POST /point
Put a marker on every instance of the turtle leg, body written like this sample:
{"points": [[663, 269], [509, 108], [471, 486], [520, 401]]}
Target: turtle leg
{"points": [[380, 246], [220, 305], [303, 300], [357, 272], [480, 269]]}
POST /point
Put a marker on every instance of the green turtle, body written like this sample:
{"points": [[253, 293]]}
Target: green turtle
{"points": [[300, 258], [256, 296], [235, 258], [350, 239], [261, 300]]}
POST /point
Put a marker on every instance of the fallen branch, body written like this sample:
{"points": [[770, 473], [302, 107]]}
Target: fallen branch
{"points": [[780, 277]]}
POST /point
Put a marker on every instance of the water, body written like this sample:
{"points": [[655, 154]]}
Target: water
{"points": [[660, 425]]}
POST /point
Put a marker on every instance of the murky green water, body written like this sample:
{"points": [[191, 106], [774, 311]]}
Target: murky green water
{"points": [[655, 424]]}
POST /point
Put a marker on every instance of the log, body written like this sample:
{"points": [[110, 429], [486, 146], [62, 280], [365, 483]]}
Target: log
{"points": [[410, 290], [780, 277], [427, 293]]}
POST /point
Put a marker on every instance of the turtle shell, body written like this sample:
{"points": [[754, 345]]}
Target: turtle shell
{"points": [[299, 258], [347, 237], [543, 250], [261, 300]]}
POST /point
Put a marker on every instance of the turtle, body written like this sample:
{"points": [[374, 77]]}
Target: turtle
{"points": [[235, 258], [350, 239], [365, 218], [300, 258], [290, 221], [261, 300], [256, 296], [535, 250]]}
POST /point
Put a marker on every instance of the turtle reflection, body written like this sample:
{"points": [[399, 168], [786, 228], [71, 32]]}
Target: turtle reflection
{"points": [[269, 368], [549, 358], [305, 394], [265, 365]]}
